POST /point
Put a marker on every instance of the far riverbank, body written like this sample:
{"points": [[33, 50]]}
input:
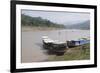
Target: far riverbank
{"points": [[29, 28]]}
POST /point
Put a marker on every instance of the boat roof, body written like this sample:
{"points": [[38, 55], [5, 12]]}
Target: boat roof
{"points": [[48, 40]]}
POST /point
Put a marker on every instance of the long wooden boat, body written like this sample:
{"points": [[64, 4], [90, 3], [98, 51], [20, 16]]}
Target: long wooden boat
{"points": [[54, 46]]}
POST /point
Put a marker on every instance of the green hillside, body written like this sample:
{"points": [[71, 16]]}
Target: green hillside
{"points": [[38, 21]]}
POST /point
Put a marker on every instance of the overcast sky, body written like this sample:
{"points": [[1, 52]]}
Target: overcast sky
{"points": [[59, 17]]}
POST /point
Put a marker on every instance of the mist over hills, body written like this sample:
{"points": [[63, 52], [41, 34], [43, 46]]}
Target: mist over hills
{"points": [[82, 25]]}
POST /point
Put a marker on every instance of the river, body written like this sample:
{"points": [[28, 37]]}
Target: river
{"points": [[32, 50]]}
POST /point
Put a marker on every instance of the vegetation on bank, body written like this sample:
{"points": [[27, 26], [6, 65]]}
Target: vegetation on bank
{"points": [[76, 53]]}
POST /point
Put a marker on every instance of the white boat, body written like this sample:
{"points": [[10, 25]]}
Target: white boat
{"points": [[55, 46]]}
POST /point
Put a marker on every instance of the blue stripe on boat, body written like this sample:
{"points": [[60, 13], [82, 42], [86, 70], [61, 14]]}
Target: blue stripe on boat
{"points": [[81, 42]]}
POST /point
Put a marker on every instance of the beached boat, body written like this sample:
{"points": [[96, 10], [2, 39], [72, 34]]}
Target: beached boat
{"points": [[54, 46], [78, 42], [59, 48]]}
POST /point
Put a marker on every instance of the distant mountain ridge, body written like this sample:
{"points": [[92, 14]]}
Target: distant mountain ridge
{"points": [[83, 25], [40, 22]]}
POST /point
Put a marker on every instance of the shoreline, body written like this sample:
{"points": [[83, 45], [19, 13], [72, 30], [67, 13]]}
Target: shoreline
{"points": [[29, 28]]}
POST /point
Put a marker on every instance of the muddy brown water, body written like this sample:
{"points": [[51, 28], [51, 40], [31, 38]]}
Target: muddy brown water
{"points": [[32, 50]]}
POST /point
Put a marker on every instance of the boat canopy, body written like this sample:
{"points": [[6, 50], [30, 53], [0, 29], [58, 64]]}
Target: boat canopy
{"points": [[46, 39]]}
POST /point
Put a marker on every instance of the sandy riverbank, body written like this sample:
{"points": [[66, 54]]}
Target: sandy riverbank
{"points": [[29, 28]]}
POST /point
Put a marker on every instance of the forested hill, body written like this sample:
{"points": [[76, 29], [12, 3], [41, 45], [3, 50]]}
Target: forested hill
{"points": [[38, 21]]}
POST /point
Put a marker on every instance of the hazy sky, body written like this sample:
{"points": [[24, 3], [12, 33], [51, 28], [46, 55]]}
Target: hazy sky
{"points": [[59, 17]]}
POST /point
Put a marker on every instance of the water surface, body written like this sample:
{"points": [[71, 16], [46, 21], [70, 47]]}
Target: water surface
{"points": [[32, 50]]}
